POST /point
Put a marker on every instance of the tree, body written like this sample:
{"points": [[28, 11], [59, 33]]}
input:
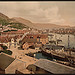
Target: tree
{"points": [[4, 47], [7, 52]]}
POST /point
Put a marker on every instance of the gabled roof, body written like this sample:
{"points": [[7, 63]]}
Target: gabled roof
{"points": [[54, 67], [7, 39], [5, 60], [35, 36]]}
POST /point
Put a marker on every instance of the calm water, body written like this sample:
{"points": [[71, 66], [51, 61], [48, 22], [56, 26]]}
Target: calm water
{"points": [[40, 55], [64, 38]]}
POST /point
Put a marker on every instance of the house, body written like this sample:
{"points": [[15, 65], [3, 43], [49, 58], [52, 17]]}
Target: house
{"points": [[14, 33], [4, 62], [9, 65], [43, 38], [38, 45], [9, 41], [44, 66], [33, 39]]}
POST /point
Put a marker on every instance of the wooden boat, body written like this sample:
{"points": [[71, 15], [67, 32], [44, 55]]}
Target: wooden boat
{"points": [[55, 56]]}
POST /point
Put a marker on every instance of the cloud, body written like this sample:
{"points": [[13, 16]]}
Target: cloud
{"points": [[50, 15], [32, 11]]}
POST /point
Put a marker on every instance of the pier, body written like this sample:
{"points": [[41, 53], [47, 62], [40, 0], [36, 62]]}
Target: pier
{"points": [[59, 56]]}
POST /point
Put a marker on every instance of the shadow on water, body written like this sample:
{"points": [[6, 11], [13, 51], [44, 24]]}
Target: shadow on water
{"points": [[40, 55]]}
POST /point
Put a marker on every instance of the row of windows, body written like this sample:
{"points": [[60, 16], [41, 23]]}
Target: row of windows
{"points": [[37, 37]]}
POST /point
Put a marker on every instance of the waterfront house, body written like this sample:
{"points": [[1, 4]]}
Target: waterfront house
{"points": [[44, 66], [9, 65], [43, 38], [38, 45], [26, 45], [33, 39]]}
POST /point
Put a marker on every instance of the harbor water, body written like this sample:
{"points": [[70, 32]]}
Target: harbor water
{"points": [[64, 38], [40, 55]]}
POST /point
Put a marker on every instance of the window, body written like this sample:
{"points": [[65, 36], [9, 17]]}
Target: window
{"points": [[38, 37], [31, 37]]}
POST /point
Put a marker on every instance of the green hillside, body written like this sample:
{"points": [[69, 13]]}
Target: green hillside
{"points": [[4, 20], [18, 25]]}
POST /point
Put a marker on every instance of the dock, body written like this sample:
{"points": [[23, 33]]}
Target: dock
{"points": [[59, 56]]}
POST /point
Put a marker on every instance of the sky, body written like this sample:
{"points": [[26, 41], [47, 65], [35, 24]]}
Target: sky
{"points": [[56, 12]]}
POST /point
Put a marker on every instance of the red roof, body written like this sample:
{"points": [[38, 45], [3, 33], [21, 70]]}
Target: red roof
{"points": [[7, 39], [15, 32], [35, 36]]}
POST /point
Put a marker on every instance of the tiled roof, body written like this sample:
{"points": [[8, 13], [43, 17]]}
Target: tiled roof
{"points": [[43, 36], [7, 39], [15, 32], [28, 37]]}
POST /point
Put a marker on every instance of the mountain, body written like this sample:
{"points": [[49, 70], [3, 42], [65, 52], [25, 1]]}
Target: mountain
{"points": [[5, 20], [37, 25], [20, 23], [24, 21], [2, 16], [49, 26]]}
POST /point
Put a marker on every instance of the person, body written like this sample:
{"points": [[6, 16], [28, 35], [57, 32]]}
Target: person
{"points": [[34, 56]]}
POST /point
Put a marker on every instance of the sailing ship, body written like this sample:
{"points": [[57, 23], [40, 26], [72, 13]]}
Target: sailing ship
{"points": [[59, 52]]}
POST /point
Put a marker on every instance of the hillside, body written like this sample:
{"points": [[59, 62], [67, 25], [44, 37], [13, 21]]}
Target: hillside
{"points": [[5, 20], [20, 23], [37, 25], [24, 21], [2, 16], [48, 25]]}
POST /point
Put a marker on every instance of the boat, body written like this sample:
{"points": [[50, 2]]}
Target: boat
{"points": [[55, 56]]}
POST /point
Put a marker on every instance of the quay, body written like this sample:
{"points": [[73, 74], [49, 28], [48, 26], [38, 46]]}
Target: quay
{"points": [[59, 56]]}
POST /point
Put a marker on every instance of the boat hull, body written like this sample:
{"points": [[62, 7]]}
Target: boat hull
{"points": [[54, 56]]}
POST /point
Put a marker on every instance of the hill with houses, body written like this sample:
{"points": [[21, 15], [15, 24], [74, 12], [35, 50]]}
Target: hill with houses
{"points": [[12, 23]]}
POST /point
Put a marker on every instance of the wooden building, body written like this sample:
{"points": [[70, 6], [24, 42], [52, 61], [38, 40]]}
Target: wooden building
{"points": [[44, 66], [9, 41], [14, 33], [9, 65], [34, 39]]}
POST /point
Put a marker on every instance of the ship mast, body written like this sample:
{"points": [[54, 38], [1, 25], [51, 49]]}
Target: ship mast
{"points": [[68, 41], [69, 45]]}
